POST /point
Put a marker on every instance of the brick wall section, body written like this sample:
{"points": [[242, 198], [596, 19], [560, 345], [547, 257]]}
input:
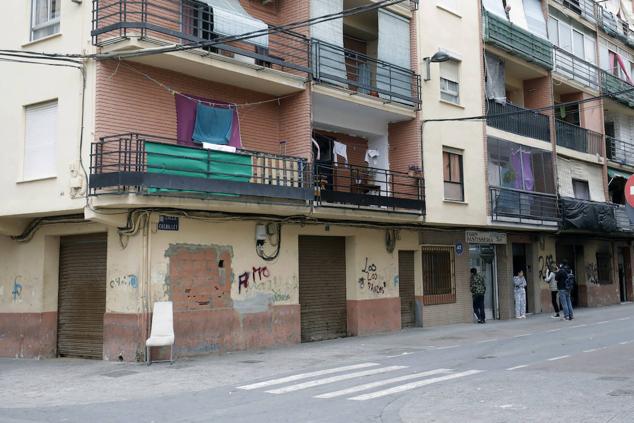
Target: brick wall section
{"points": [[295, 124], [128, 102], [537, 93]]}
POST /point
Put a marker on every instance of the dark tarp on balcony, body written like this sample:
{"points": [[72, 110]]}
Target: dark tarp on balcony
{"points": [[586, 215]]}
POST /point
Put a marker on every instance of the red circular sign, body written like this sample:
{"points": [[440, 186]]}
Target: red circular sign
{"points": [[629, 191]]}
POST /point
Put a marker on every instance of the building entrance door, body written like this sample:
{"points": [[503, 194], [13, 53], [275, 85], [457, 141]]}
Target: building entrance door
{"points": [[482, 257], [520, 263]]}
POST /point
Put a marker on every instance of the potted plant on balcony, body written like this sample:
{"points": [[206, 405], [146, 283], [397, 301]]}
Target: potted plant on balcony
{"points": [[415, 171]]}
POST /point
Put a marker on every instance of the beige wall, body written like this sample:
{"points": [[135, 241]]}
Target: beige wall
{"points": [[568, 169], [26, 84], [457, 32]]}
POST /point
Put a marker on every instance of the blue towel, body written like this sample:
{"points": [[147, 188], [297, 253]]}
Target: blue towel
{"points": [[213, 124]]}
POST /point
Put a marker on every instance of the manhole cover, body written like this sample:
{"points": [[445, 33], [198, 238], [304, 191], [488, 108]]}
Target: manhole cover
{"points": [[251, 361], [486, 357], [614, 378], [120, 373], [622, 393]]}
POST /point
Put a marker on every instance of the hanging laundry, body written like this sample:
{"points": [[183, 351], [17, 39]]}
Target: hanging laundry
{"points": [[340, 149], [213, 124], [316, 144], [186, 119], [371, 157]]}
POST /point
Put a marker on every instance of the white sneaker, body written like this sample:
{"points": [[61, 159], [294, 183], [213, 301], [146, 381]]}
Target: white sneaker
{"points": [[555, 316]]}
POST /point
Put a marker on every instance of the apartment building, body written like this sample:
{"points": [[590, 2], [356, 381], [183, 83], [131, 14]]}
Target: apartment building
{"points": [[302, 183]]}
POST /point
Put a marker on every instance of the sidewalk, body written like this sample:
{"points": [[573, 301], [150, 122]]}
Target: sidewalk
{"points": [[58, 382]]}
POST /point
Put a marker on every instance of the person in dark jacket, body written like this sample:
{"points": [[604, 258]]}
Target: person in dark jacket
{"points": [[561, 276], [478, 289]]}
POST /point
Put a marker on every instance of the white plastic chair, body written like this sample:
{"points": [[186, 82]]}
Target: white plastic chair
{"points": [[162, 333]]}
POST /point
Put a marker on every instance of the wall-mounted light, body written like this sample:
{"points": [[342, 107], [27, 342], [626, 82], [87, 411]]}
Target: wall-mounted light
{"points": [[440, 56]]}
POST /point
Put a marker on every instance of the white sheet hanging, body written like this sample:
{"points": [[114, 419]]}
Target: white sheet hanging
{"points": [[371, 157], [339, 149], [494, 6], [516, 14], [230, 19], [535, 18]]}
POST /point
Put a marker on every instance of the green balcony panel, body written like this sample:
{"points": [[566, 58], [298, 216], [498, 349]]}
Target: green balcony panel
{"points": [[505, 35], [617, 89]]}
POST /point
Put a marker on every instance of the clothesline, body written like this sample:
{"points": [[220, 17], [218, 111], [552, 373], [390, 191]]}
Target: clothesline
{"points": [[225, 104]]}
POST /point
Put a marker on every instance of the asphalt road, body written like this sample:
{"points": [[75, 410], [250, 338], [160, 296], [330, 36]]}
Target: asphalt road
{"points": [[534, 370]]}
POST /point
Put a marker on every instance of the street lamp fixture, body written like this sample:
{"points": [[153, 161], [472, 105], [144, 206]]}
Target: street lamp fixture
{"points": [[438, 57]]}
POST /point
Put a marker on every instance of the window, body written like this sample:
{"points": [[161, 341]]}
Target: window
{"points": [[40, 141], [603, 269], [438, 275], [452, 172], [450, 81], [581, 189], [44, 18]]}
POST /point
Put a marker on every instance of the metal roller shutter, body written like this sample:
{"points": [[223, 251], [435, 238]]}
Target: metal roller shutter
{"points": [[322, 287], [406, 288], [82, 295]]}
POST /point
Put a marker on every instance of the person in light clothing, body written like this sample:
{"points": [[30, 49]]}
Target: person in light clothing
{"points": [[552, 284], [519, 282]]}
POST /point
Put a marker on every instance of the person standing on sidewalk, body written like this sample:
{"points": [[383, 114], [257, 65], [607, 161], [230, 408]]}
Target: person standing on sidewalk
{"points": [[519, 282], [478, 289], [552, 283], [565, 283]]}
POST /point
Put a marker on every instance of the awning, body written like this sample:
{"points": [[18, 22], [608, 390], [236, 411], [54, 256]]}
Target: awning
{"points": [[613, 173], [231, 19]]}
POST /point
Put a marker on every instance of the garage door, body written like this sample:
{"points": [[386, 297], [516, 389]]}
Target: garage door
{"points": [[82, 295], [322, 287], [406, 288]]}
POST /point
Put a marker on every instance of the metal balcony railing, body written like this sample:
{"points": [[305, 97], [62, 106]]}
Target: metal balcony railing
{"points": [[517, 41], [365, 75], [512, 205], [136, 163], [525, 122], [367, 186], [184, 22], [571, 67], [617, 89], [614, 26], [586, 8], [619, 151], [578, 138]]}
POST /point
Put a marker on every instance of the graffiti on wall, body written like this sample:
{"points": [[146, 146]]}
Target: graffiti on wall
{"points": [[592, 273], [256, 275], [371, 280], [16, 292], [125, 281], [261, 279], [545, 263]]}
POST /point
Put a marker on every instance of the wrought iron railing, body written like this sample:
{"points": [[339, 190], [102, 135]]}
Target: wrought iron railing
{"points": [[365, 75], [517, 41], [574, 68], [155, 165], [616, 88], [518, 120], [367, 186], [578, 138], [512, 205], [189, 22], [585, 8], [619, 151], [614, 26]]}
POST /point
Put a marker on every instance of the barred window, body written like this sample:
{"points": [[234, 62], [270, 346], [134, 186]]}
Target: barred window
{"points": [[603, 269], [438, 275]]}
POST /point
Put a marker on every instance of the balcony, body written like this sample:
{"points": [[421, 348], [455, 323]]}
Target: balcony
{"points": [[587, 215], [619, 151], [144, 164], [585, 8], [361, 186], [516, 206], [503, 34], [525, 122], [614, 26], [578, 138], [182, 22], [572, 68], [623, 223], [617, 89], [362, 74]]}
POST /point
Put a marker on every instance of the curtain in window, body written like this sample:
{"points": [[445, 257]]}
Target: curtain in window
{"points": [[494, 6], [394, 48], [523, 164], [495, 76], [329, 59], [230, 18], [535, 18], [45, 20]]}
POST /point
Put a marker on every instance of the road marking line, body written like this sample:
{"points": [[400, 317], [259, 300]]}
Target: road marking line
{"points": [[603, 322], [591, 350], [518, 367], [333, 379], [523, 335], [371, 385], [487, 340], [561, 357], [578, 326], [447, 347], [399, 355], [624, 318], [553, 330], [413, 385], [624, 343], [306, 376]]}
